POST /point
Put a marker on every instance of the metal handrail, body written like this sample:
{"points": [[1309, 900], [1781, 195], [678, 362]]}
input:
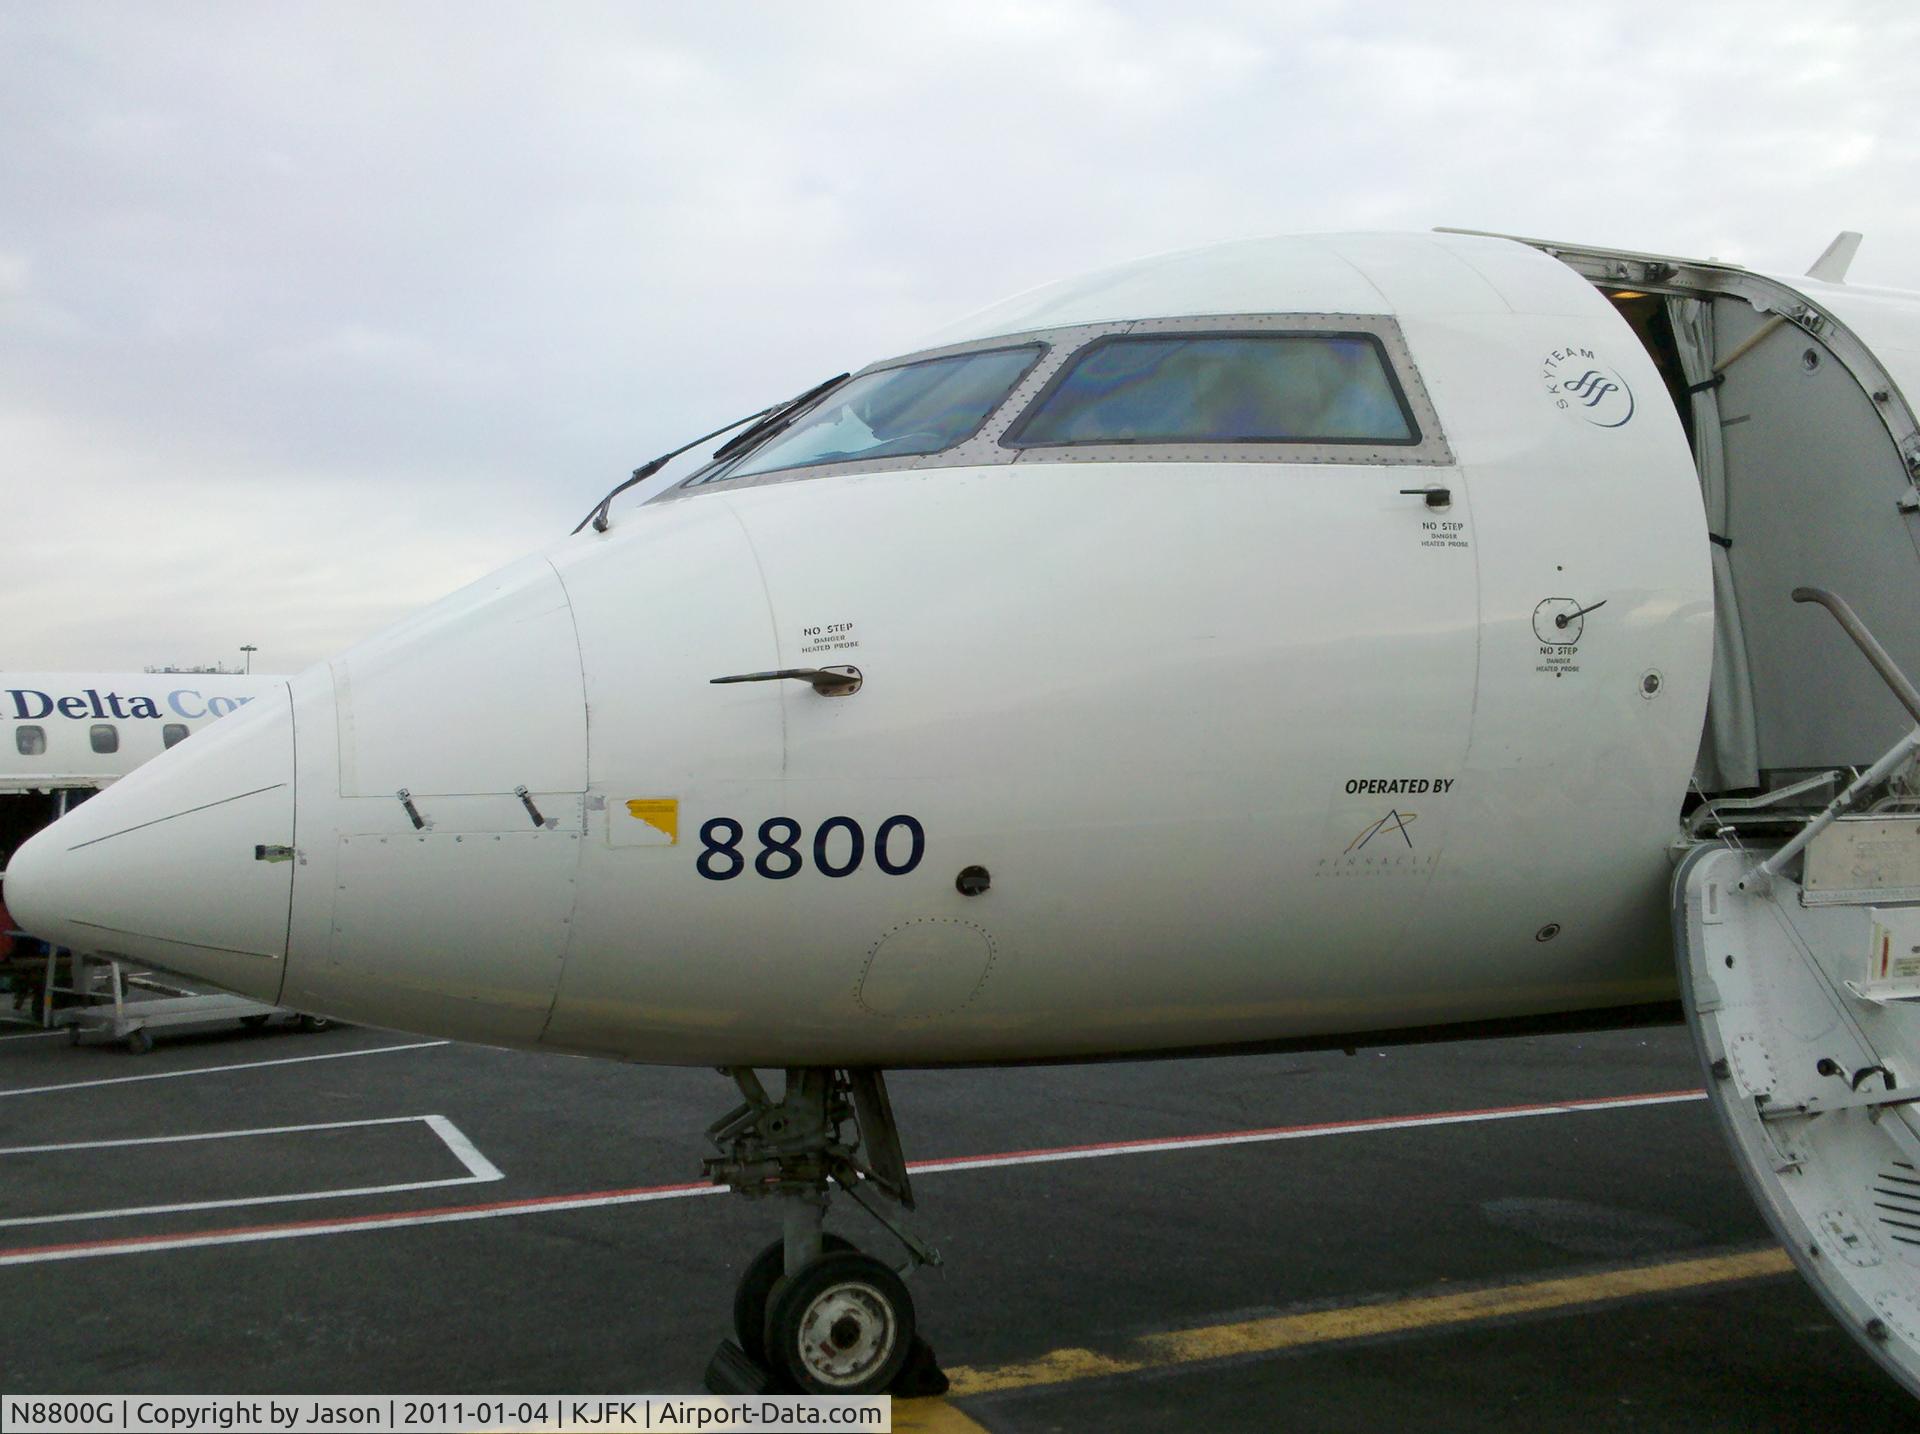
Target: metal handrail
{"points": [[1883, 664], [1720, 808], [1902, 751]]}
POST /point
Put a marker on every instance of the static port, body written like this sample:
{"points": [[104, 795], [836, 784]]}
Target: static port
{"points": [[972, 880]]}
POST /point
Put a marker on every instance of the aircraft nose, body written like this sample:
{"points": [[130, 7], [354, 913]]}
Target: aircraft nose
{"points": [[185, 865]]}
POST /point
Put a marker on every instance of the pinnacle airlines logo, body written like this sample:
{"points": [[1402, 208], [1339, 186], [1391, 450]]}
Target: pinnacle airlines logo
{"points": [[1582, 384], [1393, 824], [1384, 847]]}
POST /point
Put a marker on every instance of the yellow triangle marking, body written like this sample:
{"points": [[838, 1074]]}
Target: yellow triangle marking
{"points": [[660, 813]]}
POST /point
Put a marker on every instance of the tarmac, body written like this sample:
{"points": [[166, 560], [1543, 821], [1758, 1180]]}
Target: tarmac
{"points": [[1541, 1233]]}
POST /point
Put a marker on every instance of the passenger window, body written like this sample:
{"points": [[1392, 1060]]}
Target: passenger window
{"points": [[106, 737], [1222, 388], [895, 412], [173, 733], [32, 741]]}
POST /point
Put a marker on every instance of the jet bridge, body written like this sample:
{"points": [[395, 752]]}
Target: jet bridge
{"points": [[1800, 972]]}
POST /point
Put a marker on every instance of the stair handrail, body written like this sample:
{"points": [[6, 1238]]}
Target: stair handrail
{"points": [[1868, 644], [1761, 878]]}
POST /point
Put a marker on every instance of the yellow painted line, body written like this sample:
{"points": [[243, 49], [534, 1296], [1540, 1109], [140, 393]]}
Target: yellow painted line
{"points": [[1265, 1336], [931, 1416]]}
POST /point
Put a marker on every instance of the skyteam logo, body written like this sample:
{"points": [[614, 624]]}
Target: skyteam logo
{"points": [[1583, 385]]}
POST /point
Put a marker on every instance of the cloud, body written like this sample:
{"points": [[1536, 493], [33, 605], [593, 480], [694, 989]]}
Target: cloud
{"points": [[125, 557], [337, 302]]}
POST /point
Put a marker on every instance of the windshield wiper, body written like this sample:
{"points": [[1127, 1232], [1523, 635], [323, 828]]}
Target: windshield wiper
{"points": [[775, 419], [766, 421]]}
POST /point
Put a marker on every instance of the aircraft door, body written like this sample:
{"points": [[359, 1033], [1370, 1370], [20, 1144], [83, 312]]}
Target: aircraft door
{"points": [[1800, 971], [1807, 1020]]}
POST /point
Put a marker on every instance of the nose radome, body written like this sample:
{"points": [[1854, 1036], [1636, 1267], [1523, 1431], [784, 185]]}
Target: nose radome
{"points": [[185, 865]]}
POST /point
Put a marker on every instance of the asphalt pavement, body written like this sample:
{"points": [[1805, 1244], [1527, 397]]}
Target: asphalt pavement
{"points": [[1542, 1233]]}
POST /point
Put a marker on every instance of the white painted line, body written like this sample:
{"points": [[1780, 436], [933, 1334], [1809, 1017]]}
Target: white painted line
{"points": [[129, 1211], [479, 1168], [215, 1070], [601, 1199], [209, 1135]]}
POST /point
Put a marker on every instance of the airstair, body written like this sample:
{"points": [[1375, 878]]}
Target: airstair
{"points": [[1800, 972]]}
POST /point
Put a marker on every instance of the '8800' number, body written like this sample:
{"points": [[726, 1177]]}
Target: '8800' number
{"points": [[839, 846]]}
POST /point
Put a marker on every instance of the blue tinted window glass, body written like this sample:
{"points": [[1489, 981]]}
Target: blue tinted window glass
{"points": [[1264, 388], [916, 408]]}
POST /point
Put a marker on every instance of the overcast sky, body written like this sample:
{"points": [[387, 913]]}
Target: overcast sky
{"points": [[310, 313]]}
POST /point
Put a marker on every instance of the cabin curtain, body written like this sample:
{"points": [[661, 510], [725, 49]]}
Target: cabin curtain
{"points": [[1729, 757]]}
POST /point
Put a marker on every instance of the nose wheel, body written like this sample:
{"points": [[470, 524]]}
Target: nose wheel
{"points": [[843, 1325], [811, 1313]]}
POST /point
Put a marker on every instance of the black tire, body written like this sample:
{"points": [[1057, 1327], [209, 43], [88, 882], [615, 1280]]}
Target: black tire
{"points": [[756, 1285], [843, 1325], [314, 1023], [139, 1042]]}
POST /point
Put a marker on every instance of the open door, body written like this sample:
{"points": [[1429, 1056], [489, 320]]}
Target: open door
{"points": [[1802, 398], [1800, 971], [1804, 998]]}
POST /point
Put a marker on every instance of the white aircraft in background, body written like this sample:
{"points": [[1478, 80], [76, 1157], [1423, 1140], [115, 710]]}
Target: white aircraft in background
{"points": [[1297, 643], [77, 730]]}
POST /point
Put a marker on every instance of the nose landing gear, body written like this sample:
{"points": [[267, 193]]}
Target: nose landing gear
{"points": [[812, 1313]]}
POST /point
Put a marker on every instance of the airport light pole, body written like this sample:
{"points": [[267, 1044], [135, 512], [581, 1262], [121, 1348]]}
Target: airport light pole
{"points": [[249, 649]]}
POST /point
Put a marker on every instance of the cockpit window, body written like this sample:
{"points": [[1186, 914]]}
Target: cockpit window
{"points": [[1222, 388], [916, 408]]}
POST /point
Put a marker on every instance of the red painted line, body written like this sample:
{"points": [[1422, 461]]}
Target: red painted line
{"points": [[1432, 1118], [533, 1204]]}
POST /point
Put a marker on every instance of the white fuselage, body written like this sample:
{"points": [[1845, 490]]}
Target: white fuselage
{"points": [[1252, 747]]}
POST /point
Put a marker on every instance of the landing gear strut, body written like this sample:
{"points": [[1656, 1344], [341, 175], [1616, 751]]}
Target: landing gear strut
{"points": [[812, 1313]]}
